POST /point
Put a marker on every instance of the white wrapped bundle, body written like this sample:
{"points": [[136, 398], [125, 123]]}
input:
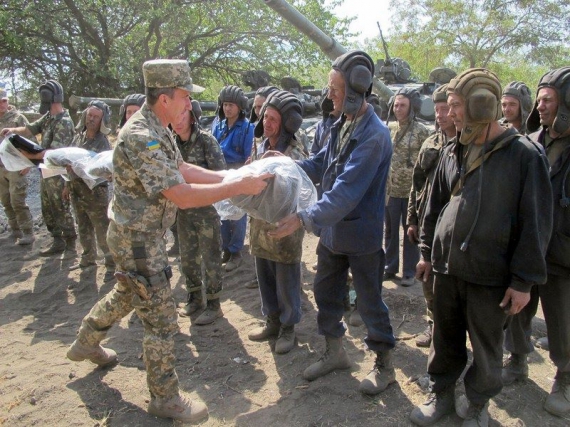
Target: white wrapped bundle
{"points": [[101, 166], [61, 157], [11, 157]]}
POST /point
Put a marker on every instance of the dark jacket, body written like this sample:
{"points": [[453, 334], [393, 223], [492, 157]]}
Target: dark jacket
{"points": [[495, 230], [558, 254], [349, 217]]}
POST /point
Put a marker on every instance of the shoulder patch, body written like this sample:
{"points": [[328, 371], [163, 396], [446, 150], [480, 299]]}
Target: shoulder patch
{"points": [[153, 145]]}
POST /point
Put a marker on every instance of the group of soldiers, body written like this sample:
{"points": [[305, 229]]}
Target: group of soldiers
{"points": [[484, 207]]}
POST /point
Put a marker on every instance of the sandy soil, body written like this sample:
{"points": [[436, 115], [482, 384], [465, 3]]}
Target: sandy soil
{"points": [[244, 383]]}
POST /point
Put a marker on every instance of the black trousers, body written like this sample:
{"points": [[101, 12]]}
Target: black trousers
{"points": [[462, 308]]}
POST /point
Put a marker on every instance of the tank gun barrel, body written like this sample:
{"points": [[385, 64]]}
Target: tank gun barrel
{"points": [[327, 44]]}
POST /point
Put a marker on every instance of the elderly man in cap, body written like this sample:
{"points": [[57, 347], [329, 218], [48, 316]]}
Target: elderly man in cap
{"points": [[57, 131], [485, 233], [150, 181], [14, 184], [91, 205]]}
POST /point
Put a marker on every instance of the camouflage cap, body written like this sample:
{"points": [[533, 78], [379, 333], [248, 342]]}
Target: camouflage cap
{"points": [[165, 73], [3, 94]]}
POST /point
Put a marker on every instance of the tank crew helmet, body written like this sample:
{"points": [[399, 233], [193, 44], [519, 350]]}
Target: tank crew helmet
{"points": [[415, 101], [439, 95], [263, 92], [481, 91], [51, 92], [196, 111], [290, 110], [235, 95], [132, 99], [559, 80], [374, 100], [357, 69], [520, 91], [105, 126]]}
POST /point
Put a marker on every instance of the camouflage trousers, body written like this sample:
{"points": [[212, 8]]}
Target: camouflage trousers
{"points": [[13, 187], [158, 314], [200, 250], [90, 208], [55, 210]]}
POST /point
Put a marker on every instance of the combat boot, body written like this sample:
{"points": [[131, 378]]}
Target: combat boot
{"points": [[270, 329], [193, 304], [515, 369], [354, 319], [558, 401], [179, 407], [27, 238], [234, 261], [381, 376], [15, 232], [57, 247], [99, 355], [477, 415], [334, 358], [70, 249], [286, 339], [434, 408], [543, 343], [212, 312], [424, 339]]}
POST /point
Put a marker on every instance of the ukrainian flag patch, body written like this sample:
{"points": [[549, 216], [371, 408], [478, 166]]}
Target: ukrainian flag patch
{"points": [[153, 145]]}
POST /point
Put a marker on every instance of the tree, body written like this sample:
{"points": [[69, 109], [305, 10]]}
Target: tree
{"points": [[97, 47]]}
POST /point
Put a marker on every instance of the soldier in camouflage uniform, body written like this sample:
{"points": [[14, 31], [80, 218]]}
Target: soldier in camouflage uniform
{"points": [[150, 181], [199, 228], [57, 131], [91, 205], [278, 261], [14, 184], [422, 178], [407, 137]]}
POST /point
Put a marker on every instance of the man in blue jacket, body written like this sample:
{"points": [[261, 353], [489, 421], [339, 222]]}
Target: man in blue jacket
{"points": [[234, 132], [348, 218]]}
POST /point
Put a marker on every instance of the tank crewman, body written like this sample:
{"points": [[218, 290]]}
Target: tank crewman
{"points": [[150, 181], [131, 104], [57, 131], [422, 178], [234, 132], [198, 229], [278, 261], [349, 219], [14, 184], [516, 104], [91, 205], [407, 135]]}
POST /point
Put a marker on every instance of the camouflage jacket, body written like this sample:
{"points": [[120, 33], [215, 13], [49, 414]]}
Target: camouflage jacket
{"points": [[202, 150], [12, 118], [422, 176], [287, 250], [406, 141], [145, 162], [57, 131]]}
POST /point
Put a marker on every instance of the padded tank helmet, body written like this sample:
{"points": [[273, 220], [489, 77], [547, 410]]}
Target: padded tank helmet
{"points": [[132, 99], [105, 126], [51, 92], [520, 91], [412, 94], [440, 94], [559, 80], [290, 110], [481, 90], [357, 69], [235, 95], [263, 92]]}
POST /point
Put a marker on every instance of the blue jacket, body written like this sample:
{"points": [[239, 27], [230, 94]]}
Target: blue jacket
{"points": [[349, 217], [235, 142]]}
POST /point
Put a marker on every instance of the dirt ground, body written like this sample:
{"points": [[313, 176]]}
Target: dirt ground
{"points": [[243, 382]]}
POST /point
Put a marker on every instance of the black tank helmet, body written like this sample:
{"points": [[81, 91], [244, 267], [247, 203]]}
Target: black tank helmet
{"points": [[51, 92], [520, 91], [235, 95], [290, 109], [264, 92], [559, 80], [357, 69], [415, 101], [132, 99]]}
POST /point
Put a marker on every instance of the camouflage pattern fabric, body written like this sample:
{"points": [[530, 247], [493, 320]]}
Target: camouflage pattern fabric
{"points": [[422, 176], [145, 162], [199, 228], [407, 140], [91, 205], [167, 73], [13, 185], [287, 250], [57, 132]]}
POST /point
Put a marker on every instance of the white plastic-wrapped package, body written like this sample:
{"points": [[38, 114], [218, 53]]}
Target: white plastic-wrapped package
{"points": [[228, 211], [290, 190], [11, 157], [81, 167], [101, 165], [61, 157]]}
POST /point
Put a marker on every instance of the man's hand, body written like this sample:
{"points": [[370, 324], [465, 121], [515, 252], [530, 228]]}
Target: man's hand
{"points": [[413, 234], [65, 193], [252, 185], [286, 226], [24, 171], [423, 270], [514, 301], [6, 131]]}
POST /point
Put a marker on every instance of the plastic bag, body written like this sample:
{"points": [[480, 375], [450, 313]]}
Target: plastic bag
{"points": [[228, 211], [101, 166], [289, 191], [11, 157], [62, 157], [80, 168]]}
